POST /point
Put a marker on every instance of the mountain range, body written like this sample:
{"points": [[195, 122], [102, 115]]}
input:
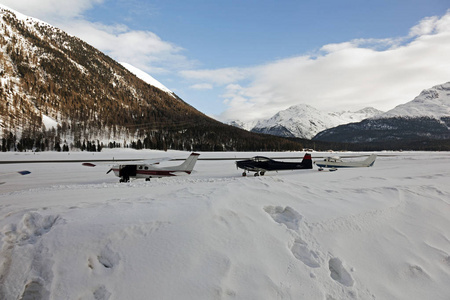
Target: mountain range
{"points": [[425, 118], [305, 121], [433, 103], [58, 92]]}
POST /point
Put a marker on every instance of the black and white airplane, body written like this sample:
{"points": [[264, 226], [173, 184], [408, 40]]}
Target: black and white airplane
{"points": [[147, 169], [261, 164]]}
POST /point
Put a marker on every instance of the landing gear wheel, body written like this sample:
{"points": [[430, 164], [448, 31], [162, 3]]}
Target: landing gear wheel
{"points": [[256, 174], [244, 174], [262, 173], [147, 179], [124, 179]]}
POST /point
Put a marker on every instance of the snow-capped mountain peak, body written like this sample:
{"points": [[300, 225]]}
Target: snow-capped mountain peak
{"points": [[425, 119], [356, 116], [242, 124], [305, 121], [433, 103]]}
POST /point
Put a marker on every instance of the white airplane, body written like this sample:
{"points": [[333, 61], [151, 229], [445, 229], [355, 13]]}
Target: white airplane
{"points": [[147, 169], [337, 162]]}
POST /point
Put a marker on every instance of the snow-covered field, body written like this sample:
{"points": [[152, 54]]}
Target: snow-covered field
{"points": [[72, 232]]}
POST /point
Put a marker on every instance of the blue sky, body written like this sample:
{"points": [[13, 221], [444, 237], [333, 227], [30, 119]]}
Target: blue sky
{"points": [[249, 59]]}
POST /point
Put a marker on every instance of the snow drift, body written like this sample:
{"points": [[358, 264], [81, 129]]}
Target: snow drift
{"points": [[70, 232]]}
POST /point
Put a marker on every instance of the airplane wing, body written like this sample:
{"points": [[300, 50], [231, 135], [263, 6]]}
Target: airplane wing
{"points": [[154, 161], [129, 162]]}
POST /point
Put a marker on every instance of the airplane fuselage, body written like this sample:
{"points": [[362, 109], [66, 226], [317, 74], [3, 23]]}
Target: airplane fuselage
{"points": [[331, 162], [147, 171], [269, 165], [262, 164]]}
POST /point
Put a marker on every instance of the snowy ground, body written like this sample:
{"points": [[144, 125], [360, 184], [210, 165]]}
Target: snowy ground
{"points": [[72, 232]]}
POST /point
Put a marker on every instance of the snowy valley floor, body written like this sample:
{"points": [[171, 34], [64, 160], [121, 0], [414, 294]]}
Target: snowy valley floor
{"points": [[72, 232]]}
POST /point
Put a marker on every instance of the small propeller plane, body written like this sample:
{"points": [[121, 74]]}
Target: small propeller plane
{"points": [[337, 162], [147, 169], [261, 164]]}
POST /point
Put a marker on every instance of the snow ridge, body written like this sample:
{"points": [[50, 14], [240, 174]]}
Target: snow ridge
{"points": [[305, 121], [433, 103], [22, 17], [363, 233], [146, 77]]}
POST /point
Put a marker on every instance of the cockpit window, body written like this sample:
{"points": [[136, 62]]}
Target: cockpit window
{"points": [[260, 159]]}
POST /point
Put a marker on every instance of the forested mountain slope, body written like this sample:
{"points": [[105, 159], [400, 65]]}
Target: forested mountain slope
{"points": [[94, 100]]}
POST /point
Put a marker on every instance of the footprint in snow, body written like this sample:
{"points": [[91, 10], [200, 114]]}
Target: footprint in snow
{"points": [[101, 293], [287, 216], [34, 290], [339, 273], [302, 252], [107, 259], [291, 219], [32, 226]]}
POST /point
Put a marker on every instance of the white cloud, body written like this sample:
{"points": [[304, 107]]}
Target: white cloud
{"points": [[219, 76], [349, 75], [431, 25], [143, 49], [202, 86], [426, 26], [51, 9]]}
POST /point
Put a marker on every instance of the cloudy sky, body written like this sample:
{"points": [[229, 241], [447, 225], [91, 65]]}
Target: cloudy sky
{"points": [[248, 59]]}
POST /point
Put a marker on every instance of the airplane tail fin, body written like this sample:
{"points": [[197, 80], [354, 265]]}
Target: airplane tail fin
{"points": [[370, 160], [307, 161], [188, 165]]}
